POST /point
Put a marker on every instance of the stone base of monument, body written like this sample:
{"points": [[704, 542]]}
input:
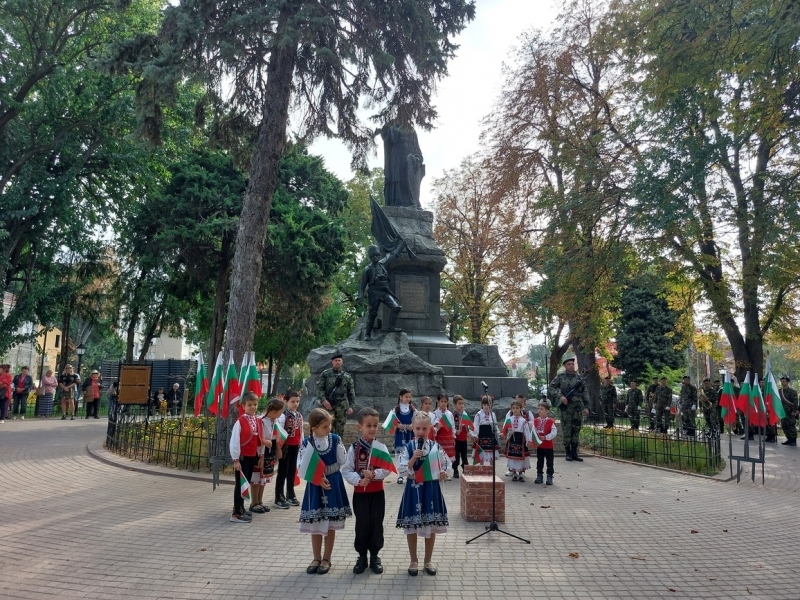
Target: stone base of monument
{"points": [[476, 495]]}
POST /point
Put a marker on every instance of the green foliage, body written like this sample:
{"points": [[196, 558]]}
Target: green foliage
{"points": [[646, 337]]}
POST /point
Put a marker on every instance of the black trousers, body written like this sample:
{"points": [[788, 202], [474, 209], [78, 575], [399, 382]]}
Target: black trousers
{"points": [[461, 454], [93, 408], [287, 467], [247, 463], [543, 454], [369, 509]]}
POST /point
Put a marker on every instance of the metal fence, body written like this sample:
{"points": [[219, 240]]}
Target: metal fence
{"points": [[31, 410], [686, 445], [175, 441]]}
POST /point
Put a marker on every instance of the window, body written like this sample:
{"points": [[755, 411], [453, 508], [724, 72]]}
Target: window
{"points": [[58, 341]]}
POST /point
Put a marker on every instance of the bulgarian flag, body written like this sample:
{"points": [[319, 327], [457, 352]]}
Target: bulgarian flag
{"points": [[759, 411], [537, 441], [743, 399], [200, 385], [242, 383], [775, 410], [727, 401], [279, 433], [429, 469], [215, 389], [466, 421], [253, 378], [245, 486], [391, 422], [506, 426], [230, 390], [379, 458], [311, 468], [445, 422]]}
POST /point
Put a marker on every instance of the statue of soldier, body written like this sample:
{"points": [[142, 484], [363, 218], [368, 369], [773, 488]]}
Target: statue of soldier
{"points": [[650, 403], [608, 398], [336, 392], [688, 407], [634, 402], [573, 409], [663, 401], [790, 407], [375, 283]]}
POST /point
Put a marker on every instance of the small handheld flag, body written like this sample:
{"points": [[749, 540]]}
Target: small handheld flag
{"points": [[380, 458], [245, 486], [390, 424], [279, 433], [311, 468]]}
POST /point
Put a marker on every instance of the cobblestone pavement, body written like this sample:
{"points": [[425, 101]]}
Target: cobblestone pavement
{"points": [[75, 527]]}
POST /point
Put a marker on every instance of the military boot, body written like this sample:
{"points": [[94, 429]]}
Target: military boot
{"points": [[368, 332], [568, 451], [575, 453], [393, 320]]}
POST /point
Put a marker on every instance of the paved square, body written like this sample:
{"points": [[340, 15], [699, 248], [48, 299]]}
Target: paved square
{"points": [[75, 527]]}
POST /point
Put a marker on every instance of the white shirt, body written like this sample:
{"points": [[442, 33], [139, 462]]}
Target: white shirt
{"points": [[350, 474], [482, 419], [321, 444], [428, 447]]}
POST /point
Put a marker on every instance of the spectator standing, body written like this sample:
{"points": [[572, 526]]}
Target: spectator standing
{"points": [[175, 400], [21, 386], [91, 394], [5, 390], [48, 385], [66, 383]]}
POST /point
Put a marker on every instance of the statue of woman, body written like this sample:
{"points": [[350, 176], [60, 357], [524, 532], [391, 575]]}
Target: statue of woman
{"points": [[403, 166]]}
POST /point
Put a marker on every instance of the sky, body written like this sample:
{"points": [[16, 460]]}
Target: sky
{"points": [[467, 95]]}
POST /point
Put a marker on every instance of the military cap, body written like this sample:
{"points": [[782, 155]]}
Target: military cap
{"points": [[786, 377], [568, 359], [706, 379], [335, 356], [686, 377]]}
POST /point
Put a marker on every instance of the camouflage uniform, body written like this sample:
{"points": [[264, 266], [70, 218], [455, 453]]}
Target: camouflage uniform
{"points": [[649, 403], [709, 405], [689, 408], [663, 402], [790, 407], [608, 398], [634, 399], [345, 396], [572, 413]]}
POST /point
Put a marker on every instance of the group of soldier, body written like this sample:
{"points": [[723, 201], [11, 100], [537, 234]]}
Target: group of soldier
{"points": [[568, 393]]}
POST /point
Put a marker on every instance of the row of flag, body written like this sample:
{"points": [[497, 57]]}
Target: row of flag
{"points": [[226, 386], [391, 422], [761, 408]]}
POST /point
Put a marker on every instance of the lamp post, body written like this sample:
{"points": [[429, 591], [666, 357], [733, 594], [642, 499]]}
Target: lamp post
{"points": [[80, 351]]}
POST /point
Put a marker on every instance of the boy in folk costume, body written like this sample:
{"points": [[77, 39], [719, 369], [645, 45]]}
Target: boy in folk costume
{"points": [[368, 463], [485, 427], [545, 430], [246, 436], [292, 422], [517, 432], [462, 428]]}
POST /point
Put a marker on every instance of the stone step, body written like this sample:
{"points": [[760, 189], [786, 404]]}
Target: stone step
{"points": [[474, 371], [438, 356], [499, 387]]}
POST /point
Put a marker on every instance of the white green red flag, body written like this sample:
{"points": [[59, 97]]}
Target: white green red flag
{"points": [[445, 422], [775, 411], [311, 467], [758, 415], [279, 433], [380, 458], [391, 422], [467, 421], [506, 426], [727, 401], [429, 468], [215, 388], [537, 441], [200, 385], [245, 486], [743, 399], [242, 383], [253, 378], [230, 389]]}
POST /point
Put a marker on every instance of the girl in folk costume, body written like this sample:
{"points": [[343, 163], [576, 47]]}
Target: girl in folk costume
{"points": [[325, 505], [246, 436], [485, 425], [292, 422], [461, 428], [426, 405], [544, 432], [268, 454], [422, 509], [517, 432], [444, 424], [404, 411]]}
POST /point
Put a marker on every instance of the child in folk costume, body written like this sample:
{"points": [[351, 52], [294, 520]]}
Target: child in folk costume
{"points": [[544, 430], [422, 509], [404, 411], [461, 425], [517, 432], [426, 405], [485, 422], [292, 423], [269, 452], [526, 414], [368, 464], [444, 427], [325, 506], [246, 436]]}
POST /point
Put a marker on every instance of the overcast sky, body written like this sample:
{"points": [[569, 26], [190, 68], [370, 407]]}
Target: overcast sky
{"points": [[467, 95]]}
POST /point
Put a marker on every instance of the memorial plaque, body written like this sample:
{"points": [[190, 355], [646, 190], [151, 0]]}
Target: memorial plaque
{"points": [[413, 292]]}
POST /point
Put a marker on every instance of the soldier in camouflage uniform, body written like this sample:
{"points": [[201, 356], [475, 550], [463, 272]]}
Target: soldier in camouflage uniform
{"points": [[650, 402], [790, 407], [634, 400], [608, 398], [572, 410], [688, 407], [663, 400], [339, 401], [709, 404]]}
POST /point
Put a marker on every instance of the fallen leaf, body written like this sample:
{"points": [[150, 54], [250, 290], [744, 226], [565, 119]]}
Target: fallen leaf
{"points": [[637, 558], [724, 531], [712, 578], [671, 589], [674, 553], [545, 506], [574, 555], [634, 512], [748, 591], [645, 512], [693, 531], [202, 549]]}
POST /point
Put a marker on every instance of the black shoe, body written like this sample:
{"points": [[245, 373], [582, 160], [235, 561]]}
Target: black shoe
{"points": [[575, 454], [792, 443], [771, 440], [455, 473], [282, 504], [538, 479], [375, 565], [361, 565], [312, 568], [749, 437], [549, 480], [293, 501], [569, 454]]}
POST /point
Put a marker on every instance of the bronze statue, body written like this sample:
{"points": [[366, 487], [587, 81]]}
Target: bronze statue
{"points": [[402, 166], [375, 282]]}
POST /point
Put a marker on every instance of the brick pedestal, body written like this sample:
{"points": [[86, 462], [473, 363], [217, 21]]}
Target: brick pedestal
{"points": [[476, 495]]}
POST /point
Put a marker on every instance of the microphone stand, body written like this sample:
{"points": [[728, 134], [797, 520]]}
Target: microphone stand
{"points": [[493, 526]]}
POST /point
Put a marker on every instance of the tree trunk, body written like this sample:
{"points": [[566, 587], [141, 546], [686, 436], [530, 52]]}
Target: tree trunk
{"points": [[220, 301], [588, 367], [278, 367], [269, 376], [250, 238], [65, 324]]}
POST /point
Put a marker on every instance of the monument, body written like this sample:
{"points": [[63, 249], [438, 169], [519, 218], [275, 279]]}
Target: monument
{"points": [[401, 342]]}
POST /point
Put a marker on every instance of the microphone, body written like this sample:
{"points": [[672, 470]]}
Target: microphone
{"points": [[420, 443], [485, 387]]}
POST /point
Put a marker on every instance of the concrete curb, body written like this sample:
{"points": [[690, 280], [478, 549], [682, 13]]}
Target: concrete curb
{"points": [[665, 469], [99, 453]]}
